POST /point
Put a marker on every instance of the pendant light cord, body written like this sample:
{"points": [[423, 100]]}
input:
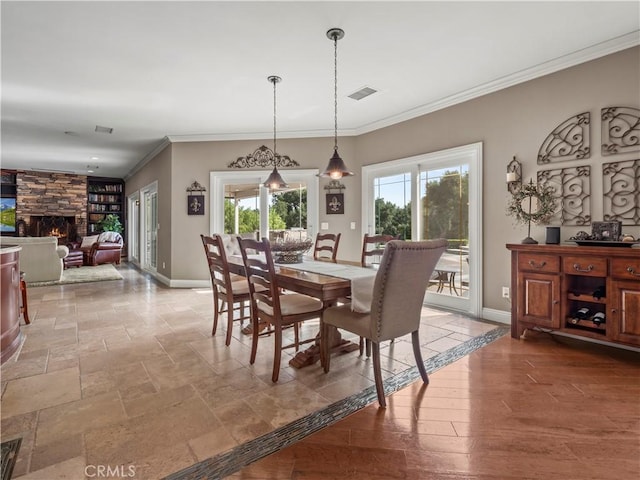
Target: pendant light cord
{"points": [[335, 91], [275, 155]]}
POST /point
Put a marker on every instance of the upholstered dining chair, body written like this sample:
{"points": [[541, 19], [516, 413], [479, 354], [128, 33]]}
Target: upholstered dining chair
{"points": [[373, 247], [270, 305], [398, 294], [229, 290], [326, 247], [372, 250]]}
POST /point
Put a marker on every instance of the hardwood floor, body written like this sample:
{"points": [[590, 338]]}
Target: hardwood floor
{"points": [[544, 408]]}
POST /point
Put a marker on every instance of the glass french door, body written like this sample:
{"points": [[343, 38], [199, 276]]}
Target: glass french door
{"points": [[426, 197], [149, 221], [133, 228]]}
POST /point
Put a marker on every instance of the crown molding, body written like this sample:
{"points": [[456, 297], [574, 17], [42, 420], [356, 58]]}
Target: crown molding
{"points": [[148, 157]]}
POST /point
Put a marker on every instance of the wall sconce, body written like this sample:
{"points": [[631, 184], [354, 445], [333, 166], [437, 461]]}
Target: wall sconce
{"points": [[514, 176], [195, 199]]}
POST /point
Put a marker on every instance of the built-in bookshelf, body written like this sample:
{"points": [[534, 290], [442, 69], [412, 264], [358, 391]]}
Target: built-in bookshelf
{"points": [[104, 196]]}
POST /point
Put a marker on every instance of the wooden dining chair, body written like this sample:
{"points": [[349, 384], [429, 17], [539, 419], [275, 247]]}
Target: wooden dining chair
{"points": [[326, 247], [230, 292], [398, 295], [270, 305], [373, 247]]}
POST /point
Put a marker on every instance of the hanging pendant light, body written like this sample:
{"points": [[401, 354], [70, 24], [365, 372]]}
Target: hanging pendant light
{"points": [[275, 181], [336, 168]]}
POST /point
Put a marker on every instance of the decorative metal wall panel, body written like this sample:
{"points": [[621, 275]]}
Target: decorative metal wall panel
{"points": [[263, 157], [620, 130], [572, 191], [621, 188], [569, 141]]}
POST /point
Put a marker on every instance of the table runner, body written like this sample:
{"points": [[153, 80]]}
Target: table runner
{"points": [[362, 279]]}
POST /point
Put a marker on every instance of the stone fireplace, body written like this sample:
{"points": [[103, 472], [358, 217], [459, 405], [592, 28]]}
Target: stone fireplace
{"points": [[62, 227], [52, 204]]}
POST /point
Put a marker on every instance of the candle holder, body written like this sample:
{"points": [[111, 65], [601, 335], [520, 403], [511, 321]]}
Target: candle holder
{"points": [[514, 176]]}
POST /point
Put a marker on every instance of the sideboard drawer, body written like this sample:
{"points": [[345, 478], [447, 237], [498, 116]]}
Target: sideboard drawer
{"points": [[590, 267], [538, 263], [626, 268]]}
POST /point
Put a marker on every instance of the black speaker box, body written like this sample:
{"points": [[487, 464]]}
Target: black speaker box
{"points": [[553, 236]]}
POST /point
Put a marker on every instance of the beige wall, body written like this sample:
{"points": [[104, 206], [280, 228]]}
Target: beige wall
{"points": [[514, 121], [193, 162], [160, 170]]}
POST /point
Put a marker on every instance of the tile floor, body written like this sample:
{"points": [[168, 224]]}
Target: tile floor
{"points": [[126, 373]]}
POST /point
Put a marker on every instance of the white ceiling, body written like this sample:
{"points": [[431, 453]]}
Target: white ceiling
{"points": [[198, 70]]}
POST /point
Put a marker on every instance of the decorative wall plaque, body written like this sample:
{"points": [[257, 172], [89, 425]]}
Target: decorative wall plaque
{"points": [[569, 141], [620, 130], [195, 199], [572, 191], [621, 189]]}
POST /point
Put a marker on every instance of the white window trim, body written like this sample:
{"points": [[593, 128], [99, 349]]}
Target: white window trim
{"points": [[470, 154]]}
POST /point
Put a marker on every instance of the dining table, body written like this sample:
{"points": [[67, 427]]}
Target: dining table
{"points": [[328, 282]]}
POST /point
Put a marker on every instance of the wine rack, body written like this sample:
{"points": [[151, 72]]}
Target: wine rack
{"points": [[586, 292]]}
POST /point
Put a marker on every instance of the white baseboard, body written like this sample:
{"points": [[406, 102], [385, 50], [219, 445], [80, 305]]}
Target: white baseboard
{"points": [[496, 315], [190, 283]]}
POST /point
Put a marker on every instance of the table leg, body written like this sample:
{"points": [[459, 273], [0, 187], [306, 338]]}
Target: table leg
{"points": [[311, 355]]}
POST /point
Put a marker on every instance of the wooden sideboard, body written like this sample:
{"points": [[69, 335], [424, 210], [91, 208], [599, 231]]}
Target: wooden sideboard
{"points": [[551, 283]]}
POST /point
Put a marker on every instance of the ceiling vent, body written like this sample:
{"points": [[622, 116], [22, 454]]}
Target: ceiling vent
{"points": [[362, 93], [100, 129]]}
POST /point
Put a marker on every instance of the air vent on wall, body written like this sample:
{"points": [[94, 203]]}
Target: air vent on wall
{"points": [[100, 129], [362, 93]]}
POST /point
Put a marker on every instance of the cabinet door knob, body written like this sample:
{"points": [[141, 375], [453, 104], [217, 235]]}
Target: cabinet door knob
{"points": [[555, 302], [633, 272], [613, 310], [578, 268], [537, 265]]}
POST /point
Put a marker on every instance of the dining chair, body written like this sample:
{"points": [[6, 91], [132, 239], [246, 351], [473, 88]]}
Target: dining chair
{"points": [[398, 295], [270, 305], [229, 290], [373, 247], [326, 247], [372, 250]]}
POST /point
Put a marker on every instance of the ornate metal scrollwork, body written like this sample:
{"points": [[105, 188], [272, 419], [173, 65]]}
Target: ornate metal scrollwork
{"points": [[620, 130], [569, 141], [620, 185], [572, 190], [263, 157]]}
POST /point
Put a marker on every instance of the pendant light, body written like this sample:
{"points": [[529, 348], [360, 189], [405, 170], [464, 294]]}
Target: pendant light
{"points": [[336, 168], [275, 181]]}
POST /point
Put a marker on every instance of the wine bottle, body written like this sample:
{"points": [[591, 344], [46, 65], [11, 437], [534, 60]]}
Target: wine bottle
{"points": [[581, 313], [599, 292], [599, 318]]}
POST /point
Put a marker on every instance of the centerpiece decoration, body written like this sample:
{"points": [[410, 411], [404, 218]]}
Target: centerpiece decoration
{"points": [[532, 203], [290, 251]]}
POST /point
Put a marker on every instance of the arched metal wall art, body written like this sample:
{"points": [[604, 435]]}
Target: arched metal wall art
{"points": [[621, 188], [620, 130], [569, 141], [572, 191]]}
